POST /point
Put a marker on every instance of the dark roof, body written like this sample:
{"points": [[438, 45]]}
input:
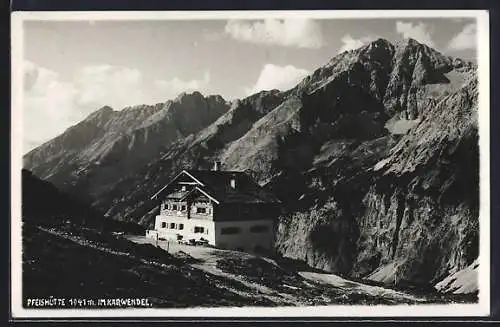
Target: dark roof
{"points": [[178, 194], [218, 184]]}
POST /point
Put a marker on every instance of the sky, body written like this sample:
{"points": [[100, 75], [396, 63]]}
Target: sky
{"points": [[72, 68]]}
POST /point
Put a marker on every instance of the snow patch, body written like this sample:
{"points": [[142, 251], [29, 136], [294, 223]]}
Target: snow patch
{"points": [[340, 282], [379, 165], [384, 274], [401, 126], [464, 281]]}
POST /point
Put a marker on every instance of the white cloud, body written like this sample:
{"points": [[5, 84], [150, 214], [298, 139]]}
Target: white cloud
{"points": [[464, 40], [173, 87], [277, 77], [213, 36], [114, 86], [48, 105], [52, 104], [302, 33], [350, 43], [420, 32]]}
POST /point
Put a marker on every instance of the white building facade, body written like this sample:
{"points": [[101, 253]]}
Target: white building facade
{"points": [[224, 209]]}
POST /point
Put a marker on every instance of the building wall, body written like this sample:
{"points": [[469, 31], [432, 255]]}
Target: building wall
{"points": [[243, 235], [215, 221], [188, 232], [245, 211], [187, 209], [246, 239]]}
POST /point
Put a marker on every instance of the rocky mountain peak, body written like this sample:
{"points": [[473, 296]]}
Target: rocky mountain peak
{"points": [[103, 113], [216, 98], [416, 70], [408, 42], [381, 42], [189, 103], [412, 45], [412, 48], [107, 143], [377, 48], [185, 96]]}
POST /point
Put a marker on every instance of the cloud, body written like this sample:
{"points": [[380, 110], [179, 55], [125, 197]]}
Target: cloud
{"points": [[419, 32], [459, 19], [301, 33], [173, 87], [114, 86], [51, 104], [464, 40], [350, 43], [213, 36], [46, 100], [277, 77]]}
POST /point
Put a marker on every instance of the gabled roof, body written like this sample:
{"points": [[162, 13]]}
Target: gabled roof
{"points": [[197, 189], [184, 172], [216, 184]]}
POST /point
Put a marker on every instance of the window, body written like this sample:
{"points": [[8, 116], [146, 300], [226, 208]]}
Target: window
{"points": [[163, 224], [259, 228], [181, 226], [230, 230], [172, 226], [183, 208], [201, 210], [199, 229], [174, 207]]}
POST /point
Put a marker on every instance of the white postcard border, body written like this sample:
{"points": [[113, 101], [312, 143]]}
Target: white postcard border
{"points": [[482, 308]]}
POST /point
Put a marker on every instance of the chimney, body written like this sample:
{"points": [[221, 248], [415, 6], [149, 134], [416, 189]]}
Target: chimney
{"points": [[216, 166]]}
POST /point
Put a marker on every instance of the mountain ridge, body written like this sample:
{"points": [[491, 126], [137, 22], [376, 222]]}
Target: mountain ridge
{"points": [[108, 142], [324, 148]]}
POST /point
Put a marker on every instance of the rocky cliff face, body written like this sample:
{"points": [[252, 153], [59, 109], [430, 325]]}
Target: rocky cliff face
{"points": [[374, 156], [88, 158], [406, 212], [410, 216]]}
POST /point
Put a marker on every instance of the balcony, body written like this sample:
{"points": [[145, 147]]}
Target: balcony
{"points": [[167, 212]]}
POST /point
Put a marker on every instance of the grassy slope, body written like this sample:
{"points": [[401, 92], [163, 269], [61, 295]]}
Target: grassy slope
{"points": [[60, 267], [73, 262]]}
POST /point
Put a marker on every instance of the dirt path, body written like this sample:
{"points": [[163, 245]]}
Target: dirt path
{"points": [[207, 261], [305, 292], [342, 283]]}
